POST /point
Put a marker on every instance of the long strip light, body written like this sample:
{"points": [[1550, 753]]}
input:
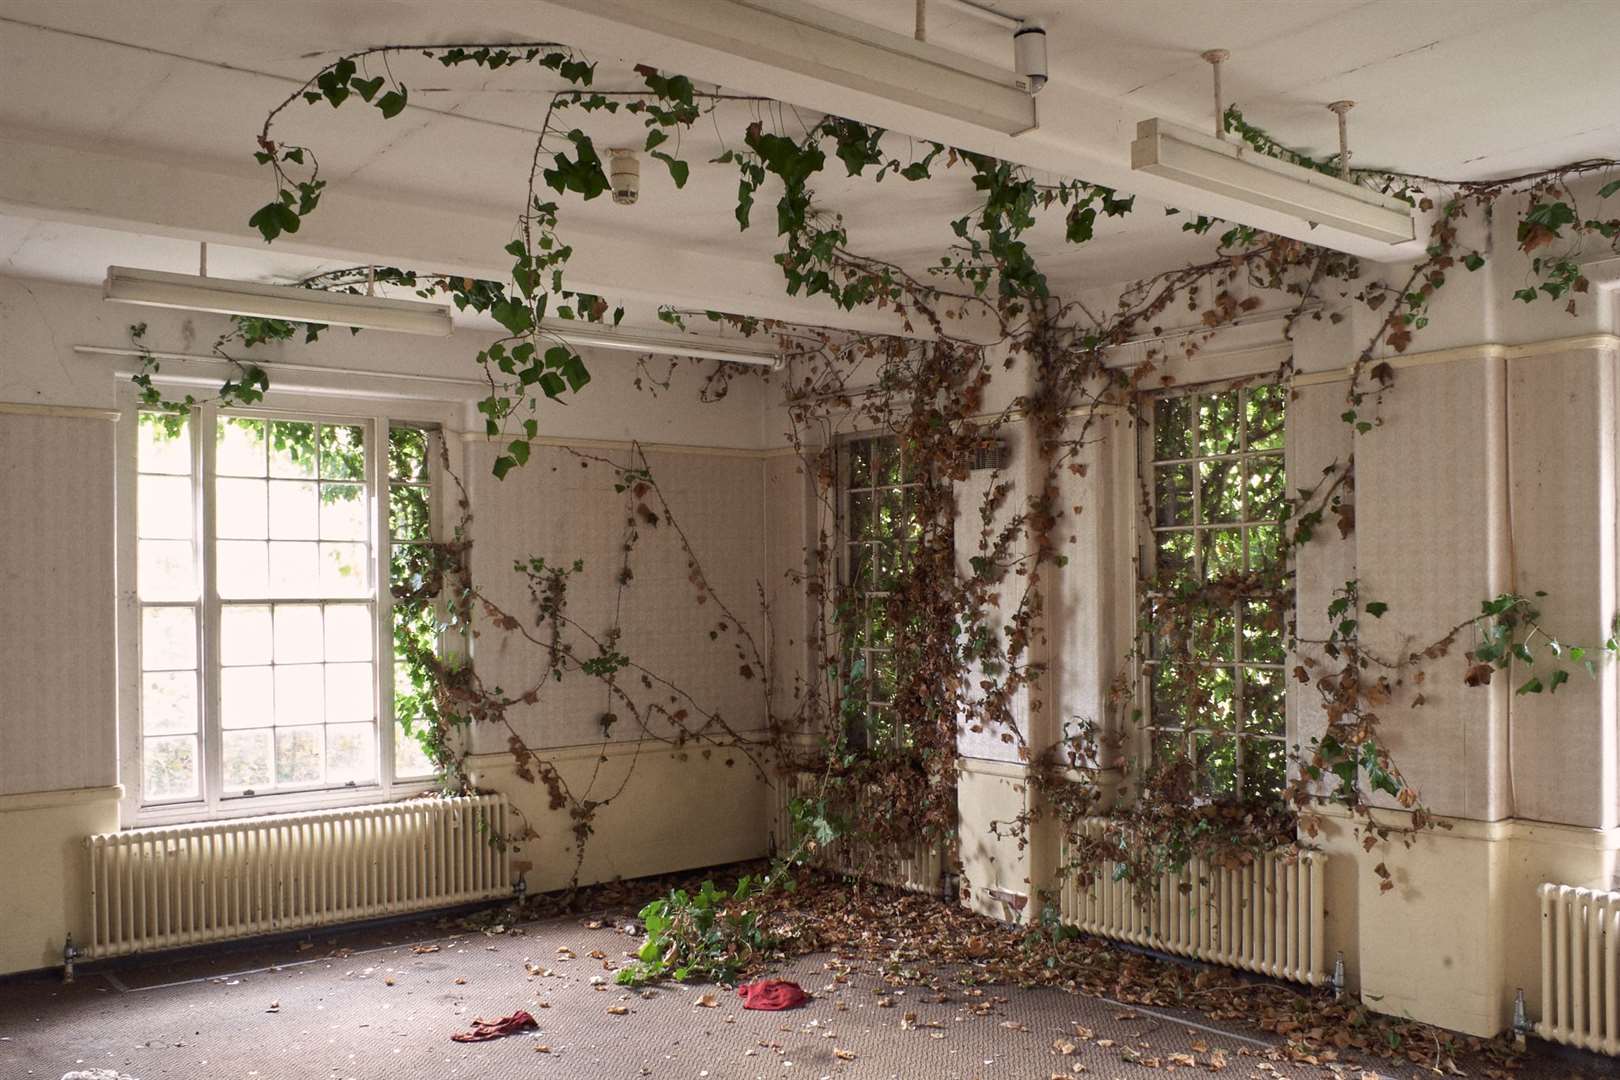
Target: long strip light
{"points": [[612, 337], [221, 296], [188, 292], [1234, 169]]}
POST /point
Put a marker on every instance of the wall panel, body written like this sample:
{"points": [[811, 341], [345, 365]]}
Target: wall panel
{"points": [[58, 684]]}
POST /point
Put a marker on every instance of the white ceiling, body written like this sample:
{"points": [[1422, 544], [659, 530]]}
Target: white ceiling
{"points": [[1461, 88]]}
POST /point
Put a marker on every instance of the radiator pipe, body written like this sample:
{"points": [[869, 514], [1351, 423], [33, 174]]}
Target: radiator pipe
{"points": [[1521, 1020], [1338, 977], [70, 953]]}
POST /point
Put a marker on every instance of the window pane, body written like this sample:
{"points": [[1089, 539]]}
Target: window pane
{"points": [[408, 513], [299, 634], [169, 703], [300, 694], [408, 454], [1218, 423], [344, 570], [165, 570], [244, 634], [247, 697], [1213, 635], [343, 512], [241, 509], [170, 765], [164, 507], [1172, 495], [348, 632], [294, 569], [1213, 702], [1220, 492], [240, 450], [1262, 632], [242, 568], [163, 444], [1265, 407], [1223, 552], [350, 693], [351, 755], [294, 510], [248, 758], [1172, 427], [1265, 546], [859, 455], [343, 452], [299, 753], [860, 525], [1263, 701], [1264, 480], [292, 448], [168, 638], [1216, 758], [1265, 768], [410, 760], [1175, 555]]}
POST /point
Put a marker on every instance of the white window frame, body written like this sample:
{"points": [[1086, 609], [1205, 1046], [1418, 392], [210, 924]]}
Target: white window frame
{"points": [[845, 491], [375, 413], [1146, 542]]}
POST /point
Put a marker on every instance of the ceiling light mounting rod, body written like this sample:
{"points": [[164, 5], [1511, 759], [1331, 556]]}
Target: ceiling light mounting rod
{"points": [[967, 7], [202, 258], [1343, 107], [1215, 58], [922, 20]]}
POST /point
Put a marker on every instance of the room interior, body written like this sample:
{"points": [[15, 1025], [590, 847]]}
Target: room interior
{"points": [[1129, 486]]}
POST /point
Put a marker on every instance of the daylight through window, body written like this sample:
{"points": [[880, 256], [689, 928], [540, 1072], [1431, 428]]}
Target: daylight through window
{"points": [[1215, 481]]}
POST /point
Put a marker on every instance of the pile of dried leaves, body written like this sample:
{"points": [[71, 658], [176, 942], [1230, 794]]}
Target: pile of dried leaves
{"points": [[915, 939]]}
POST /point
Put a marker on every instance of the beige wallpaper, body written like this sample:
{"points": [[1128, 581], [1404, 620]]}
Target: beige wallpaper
{"points": [[58, 679]]}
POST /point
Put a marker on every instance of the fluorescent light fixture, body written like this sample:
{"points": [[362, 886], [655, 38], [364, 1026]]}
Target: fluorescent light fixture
{"points": [[188, 292], [703, 348], [1235, 169], [804, 41]]}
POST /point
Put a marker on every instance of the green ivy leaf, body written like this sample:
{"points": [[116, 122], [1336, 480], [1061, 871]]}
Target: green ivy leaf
{"points": [[392, 103]]}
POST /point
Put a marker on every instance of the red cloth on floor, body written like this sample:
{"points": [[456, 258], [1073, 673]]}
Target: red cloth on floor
{"points": [[483, 1030], [772, 995]]}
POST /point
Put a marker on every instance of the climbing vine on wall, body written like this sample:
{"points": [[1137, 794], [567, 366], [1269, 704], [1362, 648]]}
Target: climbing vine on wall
{"points": [[968, 637]]}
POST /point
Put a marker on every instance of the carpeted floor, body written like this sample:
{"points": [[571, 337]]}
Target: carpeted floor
{"points": [[381, 1004]]}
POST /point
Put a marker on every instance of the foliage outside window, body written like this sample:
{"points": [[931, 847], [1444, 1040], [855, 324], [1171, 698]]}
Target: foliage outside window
{"points": [[1215, 675], [880, 531], [257, 561]]}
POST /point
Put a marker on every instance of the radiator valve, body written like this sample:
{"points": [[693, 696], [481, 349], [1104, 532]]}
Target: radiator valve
{"points": [[1338, 977], [1521, 1020], [520, 889], [70, 953]]}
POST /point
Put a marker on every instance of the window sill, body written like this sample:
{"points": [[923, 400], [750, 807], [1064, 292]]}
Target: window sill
{"points": [[272, 805]]}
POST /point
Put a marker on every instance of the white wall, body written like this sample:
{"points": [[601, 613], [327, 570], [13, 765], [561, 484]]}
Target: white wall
{"points": [[58, 690]]}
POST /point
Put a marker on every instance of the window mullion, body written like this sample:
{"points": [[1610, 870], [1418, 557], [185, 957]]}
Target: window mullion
{"points": [[212, 751], [382, 608]]}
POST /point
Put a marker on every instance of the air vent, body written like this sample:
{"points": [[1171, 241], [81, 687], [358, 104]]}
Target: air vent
{"points": [[990, 454]]}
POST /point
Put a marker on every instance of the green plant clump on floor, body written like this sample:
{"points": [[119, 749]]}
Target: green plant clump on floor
{"points": [[706, 935]]}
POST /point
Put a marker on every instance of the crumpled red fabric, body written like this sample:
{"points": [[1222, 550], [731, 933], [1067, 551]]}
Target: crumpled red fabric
{"points": [[772, 995], [484, 1030]]}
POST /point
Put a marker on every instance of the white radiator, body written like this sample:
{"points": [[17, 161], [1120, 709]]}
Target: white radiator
{"points": [[919, 868], [1580, 968], [1266, 917], [166, 887]]}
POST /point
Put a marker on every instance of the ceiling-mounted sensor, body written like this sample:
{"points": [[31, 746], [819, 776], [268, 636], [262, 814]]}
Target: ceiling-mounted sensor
{"points": [[1029, 55], [624, 172]]}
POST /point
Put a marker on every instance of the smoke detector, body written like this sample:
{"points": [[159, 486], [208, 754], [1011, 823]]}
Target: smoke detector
{"points": [[624, 172]]}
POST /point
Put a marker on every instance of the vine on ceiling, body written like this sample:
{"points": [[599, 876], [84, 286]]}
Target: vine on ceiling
{"points": [[967, 642]]}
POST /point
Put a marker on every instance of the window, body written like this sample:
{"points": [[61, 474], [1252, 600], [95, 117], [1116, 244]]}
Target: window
{"points": [[880, 531], [1214, 668], [258, 555]]}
